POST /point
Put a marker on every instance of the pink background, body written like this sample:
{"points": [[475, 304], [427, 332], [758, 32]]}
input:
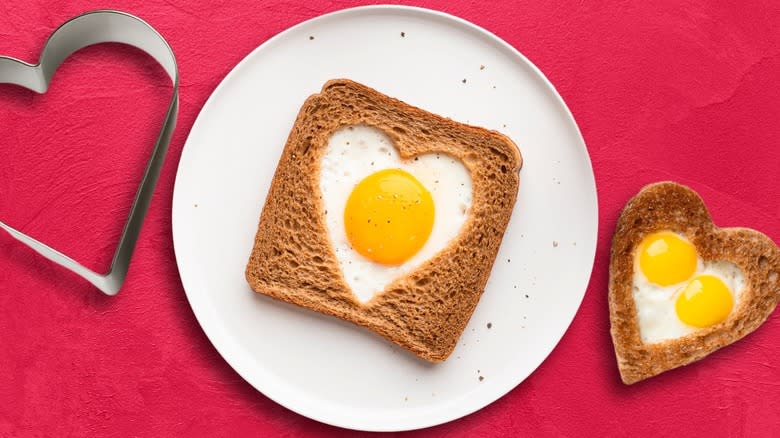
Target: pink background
{"points": [[682, 90]]}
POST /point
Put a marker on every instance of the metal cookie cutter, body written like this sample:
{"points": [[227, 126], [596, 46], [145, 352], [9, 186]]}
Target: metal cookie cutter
{"points": [[79, 32]]}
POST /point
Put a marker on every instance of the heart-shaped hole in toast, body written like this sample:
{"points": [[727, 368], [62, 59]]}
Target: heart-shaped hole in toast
{"points": [[668, 206], [357, 152]]}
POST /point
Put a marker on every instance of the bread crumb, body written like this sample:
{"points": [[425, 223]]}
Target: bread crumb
{"points": [[311, 37], [489, 325], [555, 244], [403, 34]]}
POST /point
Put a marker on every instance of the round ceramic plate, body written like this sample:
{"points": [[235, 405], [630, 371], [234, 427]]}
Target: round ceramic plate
{"points": [[330, 370]]}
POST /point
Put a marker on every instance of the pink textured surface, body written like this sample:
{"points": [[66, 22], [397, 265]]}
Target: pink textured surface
{"points": [[682, 90]]}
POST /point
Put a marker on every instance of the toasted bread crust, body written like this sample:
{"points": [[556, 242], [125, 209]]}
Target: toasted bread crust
{"points": [[670, 206], [426, 310]]}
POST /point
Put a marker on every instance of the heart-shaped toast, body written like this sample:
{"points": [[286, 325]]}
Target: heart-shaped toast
{"points": [[294, 258], [82, 31], [667, 206]]}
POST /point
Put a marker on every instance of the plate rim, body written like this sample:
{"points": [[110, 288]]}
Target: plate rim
{"points": [[304, 409]]}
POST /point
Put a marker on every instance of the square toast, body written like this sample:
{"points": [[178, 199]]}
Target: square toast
{"points": [[426, 310]]}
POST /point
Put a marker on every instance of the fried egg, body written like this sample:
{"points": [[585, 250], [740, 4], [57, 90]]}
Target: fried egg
{"points": [[386, 216], [676, 292]]}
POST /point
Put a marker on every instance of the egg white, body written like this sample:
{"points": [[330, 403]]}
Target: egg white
{"points": [[655, 304], [355, 152]]}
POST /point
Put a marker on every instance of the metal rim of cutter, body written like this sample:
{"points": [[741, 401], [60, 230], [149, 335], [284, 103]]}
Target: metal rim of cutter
{"points": [[96, 27]]}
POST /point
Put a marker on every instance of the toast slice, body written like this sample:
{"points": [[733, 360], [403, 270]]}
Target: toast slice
{"points": [[670, 206], [426, 310]]}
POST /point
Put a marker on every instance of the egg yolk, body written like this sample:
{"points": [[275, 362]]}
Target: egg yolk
{"points": [[666, 258], [389, 216], [704, 301]]}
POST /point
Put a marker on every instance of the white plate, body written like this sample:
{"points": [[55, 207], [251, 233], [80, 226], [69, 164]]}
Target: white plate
{"points": [[330, 370]]}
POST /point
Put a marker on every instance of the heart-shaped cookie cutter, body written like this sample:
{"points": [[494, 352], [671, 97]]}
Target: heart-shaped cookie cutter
{"points": [[91, 28]]}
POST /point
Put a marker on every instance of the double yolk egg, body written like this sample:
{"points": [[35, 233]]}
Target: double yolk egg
{"points": [[676, 292]]}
